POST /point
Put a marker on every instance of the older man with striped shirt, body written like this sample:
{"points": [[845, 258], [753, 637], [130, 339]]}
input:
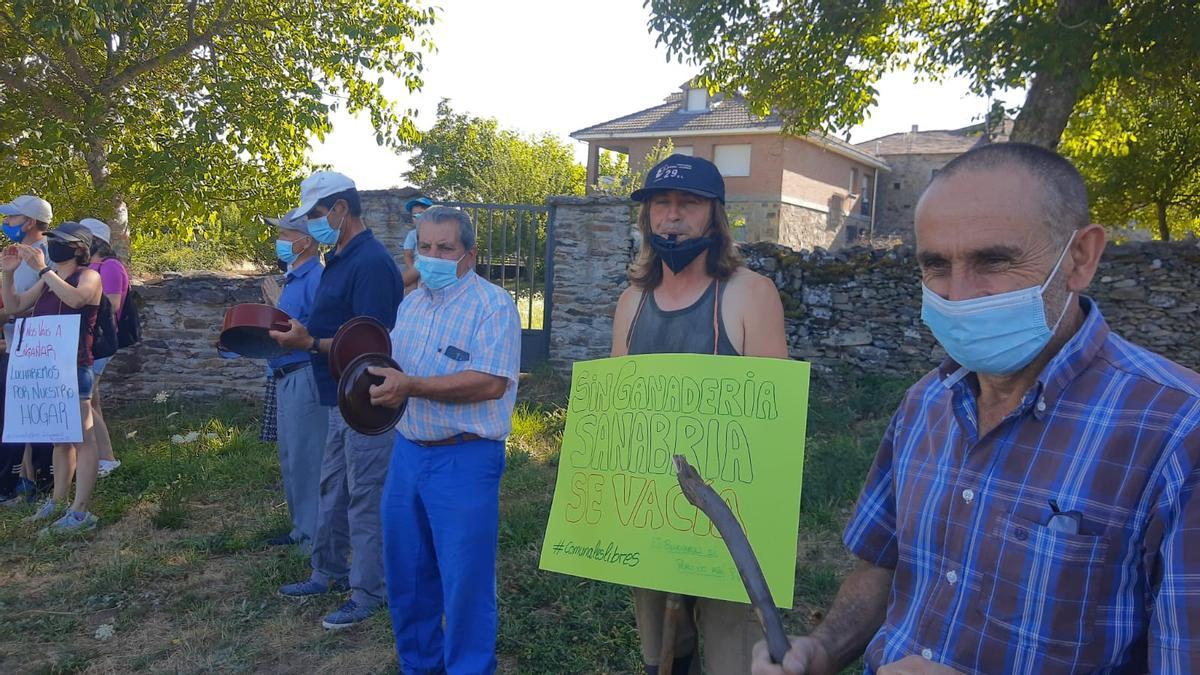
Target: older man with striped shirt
{"points": [[1035, 503], [458, 343]]}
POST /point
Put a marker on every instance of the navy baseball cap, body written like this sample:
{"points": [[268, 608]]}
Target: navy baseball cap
{"points": [[688, 174], [419, 201]]}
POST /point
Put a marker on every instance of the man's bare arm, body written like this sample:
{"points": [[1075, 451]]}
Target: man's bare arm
{"points": [[856, 615]]}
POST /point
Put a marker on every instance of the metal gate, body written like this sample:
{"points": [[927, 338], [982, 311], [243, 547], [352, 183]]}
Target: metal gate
{"points": [[514, 254]]}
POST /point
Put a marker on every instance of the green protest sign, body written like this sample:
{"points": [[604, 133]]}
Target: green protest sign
{"points": [[619, 514]]}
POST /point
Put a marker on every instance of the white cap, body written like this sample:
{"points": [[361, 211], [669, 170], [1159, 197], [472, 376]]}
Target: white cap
{"points": [[98, 228], [320, 185], [29, 206]]}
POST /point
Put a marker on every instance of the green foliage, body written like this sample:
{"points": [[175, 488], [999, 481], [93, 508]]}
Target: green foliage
{"points": [[816, 61], [619, 178], [472, 159], [181, 108], [1138, 144], [225, 240]]}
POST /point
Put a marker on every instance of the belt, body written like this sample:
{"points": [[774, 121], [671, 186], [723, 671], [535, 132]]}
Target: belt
{"points": [[289, 368], [453, 440]]}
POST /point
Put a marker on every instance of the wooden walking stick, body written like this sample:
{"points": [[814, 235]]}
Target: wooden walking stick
{"points": [[706, 499], [672, 613]]}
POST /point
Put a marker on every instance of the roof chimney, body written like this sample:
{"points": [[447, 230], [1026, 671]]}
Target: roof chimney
{"points": [[914, 129]]}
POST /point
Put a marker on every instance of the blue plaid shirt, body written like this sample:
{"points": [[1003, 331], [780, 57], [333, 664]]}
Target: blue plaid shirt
{"points": [[984, 582], [471, 325]]}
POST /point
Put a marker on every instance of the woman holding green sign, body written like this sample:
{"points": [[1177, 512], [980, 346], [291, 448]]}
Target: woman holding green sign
{"points": [[690, 293], [67, 287]]}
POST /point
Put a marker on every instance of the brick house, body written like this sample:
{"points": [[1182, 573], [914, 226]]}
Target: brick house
{"points": [[800, 191], [914, 158]]}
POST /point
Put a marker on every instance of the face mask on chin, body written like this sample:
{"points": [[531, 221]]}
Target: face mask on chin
{"points": [[677, 255]]}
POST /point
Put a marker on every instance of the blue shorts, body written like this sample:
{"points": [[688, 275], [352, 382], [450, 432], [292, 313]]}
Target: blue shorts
{"points": [[99, 364], [86, 380]]}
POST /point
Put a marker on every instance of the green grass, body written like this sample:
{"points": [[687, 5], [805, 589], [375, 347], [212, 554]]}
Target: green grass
{"points": [[180, 568]]}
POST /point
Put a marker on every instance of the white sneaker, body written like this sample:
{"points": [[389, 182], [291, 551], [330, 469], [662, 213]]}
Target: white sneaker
{"points": [[107, 466]]}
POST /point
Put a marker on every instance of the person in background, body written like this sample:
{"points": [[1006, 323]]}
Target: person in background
{"points": [[360, 279], [415, 208], [72, 288], [301, 422], [457, 341], [115, 280], [691, 293], [24, 468]]}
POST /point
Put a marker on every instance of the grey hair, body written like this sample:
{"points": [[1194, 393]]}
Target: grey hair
{"points": [[439, 214], [1064, 194]]}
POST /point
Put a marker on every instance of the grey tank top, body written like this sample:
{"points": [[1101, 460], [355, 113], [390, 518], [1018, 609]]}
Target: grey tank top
{"points": [[697, 329]]}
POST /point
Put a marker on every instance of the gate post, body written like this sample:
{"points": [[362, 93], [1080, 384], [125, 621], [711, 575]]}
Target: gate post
{"points": [[592, 246]]}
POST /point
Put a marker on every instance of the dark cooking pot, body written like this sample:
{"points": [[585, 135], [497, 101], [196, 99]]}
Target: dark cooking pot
{"points": [[358, 336], [245, 330], [354, 396]]}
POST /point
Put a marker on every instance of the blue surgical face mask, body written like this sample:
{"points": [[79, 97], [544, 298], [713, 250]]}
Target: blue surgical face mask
{"points": [[437, 273], [995, 334], [14, 232], [284, 251], [320, 229]]}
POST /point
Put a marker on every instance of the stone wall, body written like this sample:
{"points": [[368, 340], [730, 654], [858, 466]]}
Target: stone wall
{"points": [[855, 307], [858, 307], [181, 320], [383, 212], [596, 240]]}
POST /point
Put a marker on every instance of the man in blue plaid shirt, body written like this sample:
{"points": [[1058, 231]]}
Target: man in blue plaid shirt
{"points": [[1031, 506], [457, 341]]}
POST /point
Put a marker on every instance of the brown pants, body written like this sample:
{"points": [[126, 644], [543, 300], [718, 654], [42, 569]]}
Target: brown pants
{"points": [[729, 631]]}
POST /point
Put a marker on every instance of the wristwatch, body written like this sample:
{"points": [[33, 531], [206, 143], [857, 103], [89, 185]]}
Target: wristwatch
{"points": [[315, 349], [45, 269]]}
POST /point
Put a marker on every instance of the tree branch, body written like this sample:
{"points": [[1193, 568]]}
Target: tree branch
{"points": [[76, 63], [49, 103], [132, 72]]}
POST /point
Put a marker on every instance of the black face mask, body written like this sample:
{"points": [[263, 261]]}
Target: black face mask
{"points": [[679, 254], [60, 252]]}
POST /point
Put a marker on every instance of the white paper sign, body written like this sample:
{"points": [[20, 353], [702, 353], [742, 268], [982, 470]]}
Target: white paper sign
{"points": [[41, 400]]}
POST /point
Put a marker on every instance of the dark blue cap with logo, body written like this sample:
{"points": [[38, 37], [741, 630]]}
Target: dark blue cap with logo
{"points": [[688, 174]]}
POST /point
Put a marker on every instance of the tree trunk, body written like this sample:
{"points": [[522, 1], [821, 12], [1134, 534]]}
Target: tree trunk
{"points": [[1164, 231], [1057, 84], [97, 165]]}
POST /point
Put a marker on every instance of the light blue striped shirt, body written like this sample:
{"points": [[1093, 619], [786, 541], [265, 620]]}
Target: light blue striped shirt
{"points": [[472, 325]]}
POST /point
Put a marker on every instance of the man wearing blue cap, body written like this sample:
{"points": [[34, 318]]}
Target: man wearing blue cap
{"points": [[415, 208], [360, 279], [689, 292], [301, 422]]}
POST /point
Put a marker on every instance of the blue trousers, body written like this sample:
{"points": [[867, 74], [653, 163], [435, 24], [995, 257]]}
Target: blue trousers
{"points": [[303, 426], [440, 513], [352, 476]]}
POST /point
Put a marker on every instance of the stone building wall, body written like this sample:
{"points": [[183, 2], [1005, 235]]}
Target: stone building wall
{"points": [[899, 190]]}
